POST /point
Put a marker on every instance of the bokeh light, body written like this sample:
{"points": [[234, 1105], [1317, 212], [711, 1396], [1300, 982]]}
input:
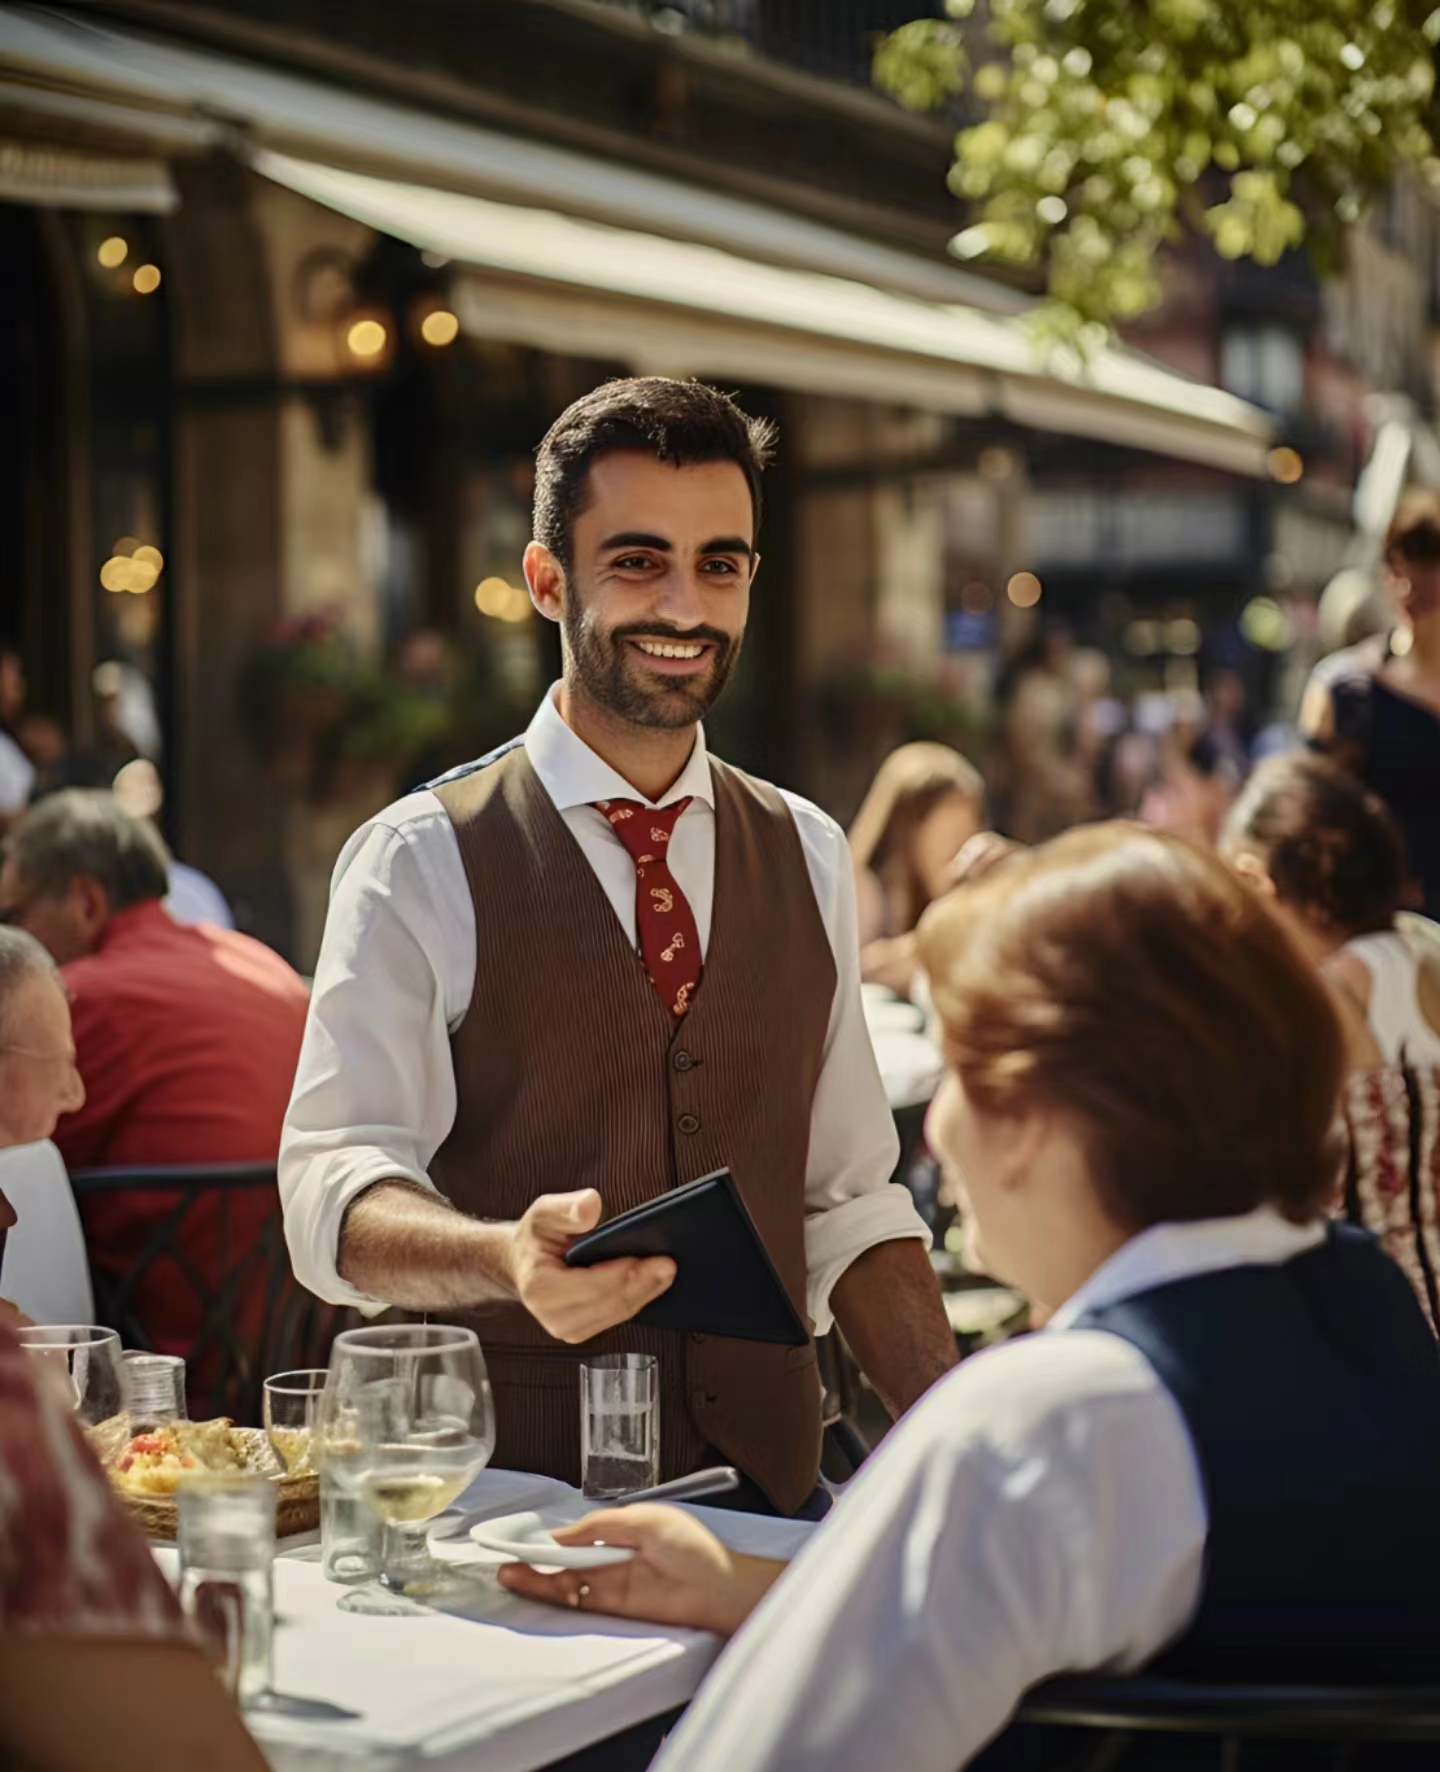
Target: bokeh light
{"points": [[366, 338], [113, 252], [146, 279], [440, 328], [1024, 590], [502, 601], [1285, 465], [1266, 625]]}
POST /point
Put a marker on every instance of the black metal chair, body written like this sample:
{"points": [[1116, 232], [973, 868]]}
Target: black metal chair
{"points": [[1129, 1714], [252, 1316]]}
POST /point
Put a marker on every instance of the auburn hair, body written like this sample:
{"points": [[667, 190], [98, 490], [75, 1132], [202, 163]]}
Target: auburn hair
{"points": [[1129, 982]]}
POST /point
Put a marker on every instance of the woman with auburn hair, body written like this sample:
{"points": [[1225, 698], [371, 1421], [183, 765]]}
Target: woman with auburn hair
{"points": [[924, 805], [1220, 1457], [1331, 859]]}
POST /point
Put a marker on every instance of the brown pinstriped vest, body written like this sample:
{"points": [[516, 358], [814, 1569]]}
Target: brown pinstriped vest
{"points": [[571, 1073]]}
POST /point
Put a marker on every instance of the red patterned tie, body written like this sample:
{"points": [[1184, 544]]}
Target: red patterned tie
{"points": [[669, 940]]}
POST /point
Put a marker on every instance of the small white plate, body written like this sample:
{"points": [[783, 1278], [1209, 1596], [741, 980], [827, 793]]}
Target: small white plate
{"points": [[525, 1538]]}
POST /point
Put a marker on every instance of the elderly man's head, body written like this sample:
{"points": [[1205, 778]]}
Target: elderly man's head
{"points": [[71, 863], [38, 1078]]}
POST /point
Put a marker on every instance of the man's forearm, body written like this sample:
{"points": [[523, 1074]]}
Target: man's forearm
{"points": [[410, 1248], [888, 1304]]}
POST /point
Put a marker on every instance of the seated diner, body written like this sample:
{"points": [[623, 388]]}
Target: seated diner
{"points": [[1217, 1461]]}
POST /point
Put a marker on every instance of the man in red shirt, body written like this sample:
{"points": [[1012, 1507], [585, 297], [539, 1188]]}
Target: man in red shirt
{"points": [[186, 1040]]}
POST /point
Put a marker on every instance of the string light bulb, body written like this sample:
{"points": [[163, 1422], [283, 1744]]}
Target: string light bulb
{"points": [[440, 328]]}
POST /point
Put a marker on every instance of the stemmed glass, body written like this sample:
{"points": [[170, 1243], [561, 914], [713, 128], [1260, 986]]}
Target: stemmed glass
{"points": [[292, 1400], [84, 1364], [405, 1425]]}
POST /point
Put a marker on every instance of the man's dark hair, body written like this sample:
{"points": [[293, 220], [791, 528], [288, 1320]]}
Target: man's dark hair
{"points": [[82, 831], [676, 421]]}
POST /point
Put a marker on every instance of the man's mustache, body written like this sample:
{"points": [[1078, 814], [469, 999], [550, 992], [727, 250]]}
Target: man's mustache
{"points": [[666, 630]]}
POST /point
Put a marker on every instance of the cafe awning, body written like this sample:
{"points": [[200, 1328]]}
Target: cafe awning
{"points": [[578, 254], [567, 283]]}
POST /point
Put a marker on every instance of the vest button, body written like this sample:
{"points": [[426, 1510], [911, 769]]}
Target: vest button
{"points": [[689, 1124], [683, 1061]]}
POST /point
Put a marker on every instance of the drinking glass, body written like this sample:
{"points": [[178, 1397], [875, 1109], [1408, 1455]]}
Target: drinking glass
{"points": [[154, 1388], [226, 1539], [83, 1364], [619, 1425], [405, 1425], [291, 1400]]}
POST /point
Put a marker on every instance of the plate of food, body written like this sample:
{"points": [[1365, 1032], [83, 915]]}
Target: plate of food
{"points": [[148, 1468], [527, 1538]]}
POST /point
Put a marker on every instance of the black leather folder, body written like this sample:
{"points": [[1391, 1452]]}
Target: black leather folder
{"points": [[725, 1282]]}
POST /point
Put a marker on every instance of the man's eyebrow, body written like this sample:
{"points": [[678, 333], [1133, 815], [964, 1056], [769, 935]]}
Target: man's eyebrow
{"points": [[637, 538]]}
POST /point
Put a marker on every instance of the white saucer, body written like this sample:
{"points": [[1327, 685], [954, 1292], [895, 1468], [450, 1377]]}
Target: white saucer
{"points": [[525, 1538]]}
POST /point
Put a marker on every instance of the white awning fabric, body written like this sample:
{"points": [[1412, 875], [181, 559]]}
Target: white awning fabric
{"points": [[569, 284]]}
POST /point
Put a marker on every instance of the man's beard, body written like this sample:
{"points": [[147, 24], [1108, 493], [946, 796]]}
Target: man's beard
{"points": [[612, 672]]}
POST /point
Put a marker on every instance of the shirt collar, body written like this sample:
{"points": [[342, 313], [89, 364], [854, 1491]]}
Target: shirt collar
{"points": [[1169, 1252], [136, 919], [572, 774]]}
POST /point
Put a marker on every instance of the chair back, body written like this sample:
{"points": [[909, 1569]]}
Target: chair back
{"points": [[1124, 1715], [193, 1261]]}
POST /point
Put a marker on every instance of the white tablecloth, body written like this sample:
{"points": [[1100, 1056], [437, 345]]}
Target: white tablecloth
{"points": [[911, 1064], [508, 1687]]}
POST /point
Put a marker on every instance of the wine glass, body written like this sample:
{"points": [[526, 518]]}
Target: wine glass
{"points": [[291, 1402], [405, 1425], [83, 1365]]}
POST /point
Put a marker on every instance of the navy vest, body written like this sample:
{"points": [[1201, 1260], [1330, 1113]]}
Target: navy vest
{"points": [[1311, 1390]]}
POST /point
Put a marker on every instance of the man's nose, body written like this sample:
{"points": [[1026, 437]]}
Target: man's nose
{"points": [[682, 600], [74, 1092]]}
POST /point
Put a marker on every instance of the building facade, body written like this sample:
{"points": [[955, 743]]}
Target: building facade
{"points": [[291, 307]]}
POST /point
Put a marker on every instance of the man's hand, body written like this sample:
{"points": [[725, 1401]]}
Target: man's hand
{"points": [[574, 1303], [680, 1573]]}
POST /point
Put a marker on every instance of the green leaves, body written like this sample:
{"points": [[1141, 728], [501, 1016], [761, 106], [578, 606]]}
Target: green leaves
{"points": [[922, 64], [1113, 124]]}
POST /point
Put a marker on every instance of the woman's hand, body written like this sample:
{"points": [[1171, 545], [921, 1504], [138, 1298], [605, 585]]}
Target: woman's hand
{"points": [[680, 1573], [979, 856]]}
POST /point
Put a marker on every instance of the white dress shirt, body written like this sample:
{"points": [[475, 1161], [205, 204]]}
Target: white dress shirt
{"points": [[1039, 1511], [45, 1270], [375, 1088]]}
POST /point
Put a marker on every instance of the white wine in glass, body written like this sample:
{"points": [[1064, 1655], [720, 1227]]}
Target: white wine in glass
{"points": [[405, 1425]]}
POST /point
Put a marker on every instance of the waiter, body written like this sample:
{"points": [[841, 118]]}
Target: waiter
{"points": [[599, 964]]}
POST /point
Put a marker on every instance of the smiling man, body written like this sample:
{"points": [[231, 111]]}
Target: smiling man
{"points": [[599, 964]]}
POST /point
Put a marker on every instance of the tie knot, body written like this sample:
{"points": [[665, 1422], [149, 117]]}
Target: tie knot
{"points": [[644, 830]]}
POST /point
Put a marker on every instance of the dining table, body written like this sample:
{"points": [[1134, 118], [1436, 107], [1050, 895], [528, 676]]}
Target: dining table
{"points": [[495, 1683]]}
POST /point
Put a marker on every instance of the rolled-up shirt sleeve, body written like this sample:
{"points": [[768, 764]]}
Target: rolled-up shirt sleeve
{"points": [[374, 1093], [850, 1202]]}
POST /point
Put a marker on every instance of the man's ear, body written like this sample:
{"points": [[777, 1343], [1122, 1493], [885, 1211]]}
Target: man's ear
{"points": [[546, 578], [92, 905]]}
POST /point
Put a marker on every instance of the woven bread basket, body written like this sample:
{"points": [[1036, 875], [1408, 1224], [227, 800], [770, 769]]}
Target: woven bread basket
{"points": [[297, 1499]]}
